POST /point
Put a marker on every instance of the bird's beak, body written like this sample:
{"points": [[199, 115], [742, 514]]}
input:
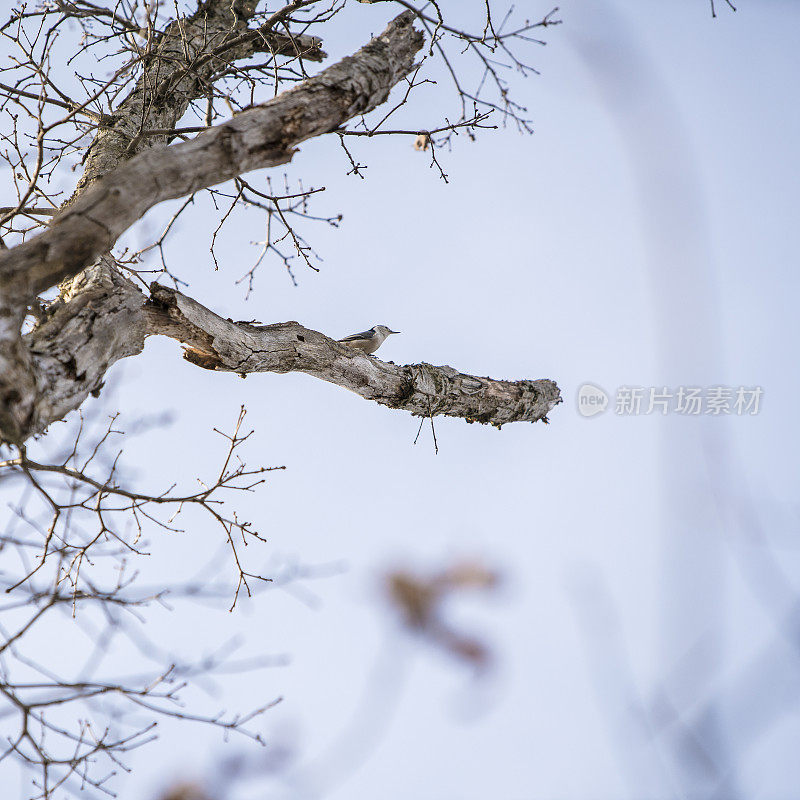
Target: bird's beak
{"points": [[391, 331]]}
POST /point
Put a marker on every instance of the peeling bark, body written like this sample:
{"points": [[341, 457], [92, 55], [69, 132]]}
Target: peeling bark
{"points": [[105, 318], [423, 389], [214, 36], [89, 226], [264, 136], [102, 317], [98, 321]]}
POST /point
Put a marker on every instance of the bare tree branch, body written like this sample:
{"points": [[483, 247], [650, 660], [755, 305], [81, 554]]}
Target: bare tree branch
{"points": [[180, 67], [422, 389], [263, 136], [147, 78], [104, 317]]}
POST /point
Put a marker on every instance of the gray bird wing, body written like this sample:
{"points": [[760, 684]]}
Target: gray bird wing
{"points": [[358, 336]]}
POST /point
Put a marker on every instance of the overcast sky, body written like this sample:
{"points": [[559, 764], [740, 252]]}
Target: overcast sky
{"points": [[645, 236]]}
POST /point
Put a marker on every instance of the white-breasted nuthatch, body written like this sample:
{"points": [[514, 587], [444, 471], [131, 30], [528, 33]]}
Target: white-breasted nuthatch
{"points": [[368, 341]]}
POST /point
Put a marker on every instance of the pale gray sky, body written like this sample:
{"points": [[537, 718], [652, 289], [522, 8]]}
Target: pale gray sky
{"points": [[646, 235]]}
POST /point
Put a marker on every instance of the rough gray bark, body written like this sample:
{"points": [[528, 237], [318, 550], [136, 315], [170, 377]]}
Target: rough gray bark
{"points": [[422, 389], [105, 318], [98, 321], [264, 136], [213, 37], [102, 317], [88, 227]]}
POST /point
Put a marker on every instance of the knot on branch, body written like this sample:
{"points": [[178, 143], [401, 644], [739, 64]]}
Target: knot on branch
{"points": [[167, 318]]}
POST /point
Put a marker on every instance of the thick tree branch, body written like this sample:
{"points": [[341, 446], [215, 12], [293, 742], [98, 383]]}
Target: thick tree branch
{"points": [[263, 136], [180, 64], [97, 320], [104, 317], [144, 69], [423, 389]]}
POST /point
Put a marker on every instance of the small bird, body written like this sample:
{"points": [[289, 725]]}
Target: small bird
{"points": [[368, 341]]}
